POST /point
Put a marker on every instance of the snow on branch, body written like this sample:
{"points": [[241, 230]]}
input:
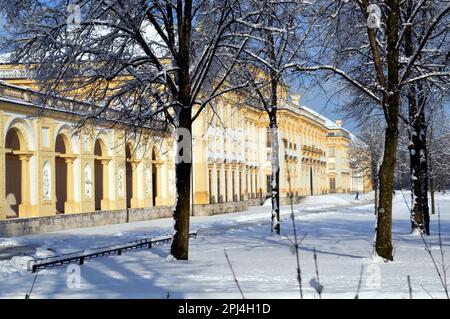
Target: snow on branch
{"points": [[344, 75]]}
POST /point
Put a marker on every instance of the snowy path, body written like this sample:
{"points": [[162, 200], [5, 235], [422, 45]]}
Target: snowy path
{"points": [[299, 210], [340, 230], [75, 240]]}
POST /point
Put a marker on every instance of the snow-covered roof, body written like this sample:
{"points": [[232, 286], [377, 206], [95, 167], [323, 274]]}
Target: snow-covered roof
{"points": [[329, 124], [5, 57], [315, 113]]}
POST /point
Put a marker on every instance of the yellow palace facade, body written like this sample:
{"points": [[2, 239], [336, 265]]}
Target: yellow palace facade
{"points": [[47, 168]]}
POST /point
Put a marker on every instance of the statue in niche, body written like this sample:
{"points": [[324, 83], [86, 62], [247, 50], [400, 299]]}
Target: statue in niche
{"points": [[120, 181], [46, 181], [87, 181], [148, 178]]}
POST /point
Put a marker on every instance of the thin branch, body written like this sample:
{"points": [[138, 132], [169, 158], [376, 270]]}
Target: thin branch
{"points": [[345, 76]]}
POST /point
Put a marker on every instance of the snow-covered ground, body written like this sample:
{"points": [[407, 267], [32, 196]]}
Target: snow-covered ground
{"points": [[337, 227]]}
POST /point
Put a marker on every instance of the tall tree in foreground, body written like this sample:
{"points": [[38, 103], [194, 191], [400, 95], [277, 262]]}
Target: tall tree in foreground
{"points": [[365, 47], [273, 51], [143, 61]]}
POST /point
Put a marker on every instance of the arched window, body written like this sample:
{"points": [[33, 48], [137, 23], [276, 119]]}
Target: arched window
{"points": [[60, 174], [13, 174]]}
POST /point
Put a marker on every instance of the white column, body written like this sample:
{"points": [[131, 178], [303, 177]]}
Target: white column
{"points": [[214, 182], [236, 184], [222, 182], [230, 183]]}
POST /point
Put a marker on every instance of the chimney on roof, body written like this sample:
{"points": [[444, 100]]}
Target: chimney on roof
{"points": [[338, 123]]}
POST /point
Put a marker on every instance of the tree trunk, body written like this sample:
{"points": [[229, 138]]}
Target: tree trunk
{"points": [[272, 112], [387, 169], [275, 180], [432, 190], [419, 167], [391, 106], [420, 217], [423, 159], [375, 188], [183, 166], [183, 123]]}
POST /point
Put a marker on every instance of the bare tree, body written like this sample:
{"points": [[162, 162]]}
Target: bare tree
{"points": [[365, 47], [422, 97], [438, 142], [273, 51], [366, 153], [142, 61]]}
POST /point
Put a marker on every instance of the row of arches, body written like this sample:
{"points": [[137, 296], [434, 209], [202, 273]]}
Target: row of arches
{"points": [[13, 171], [17, 176]]}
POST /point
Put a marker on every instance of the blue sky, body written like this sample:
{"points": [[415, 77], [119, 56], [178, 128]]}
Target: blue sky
{"points": [[323, 100], [2, 30]]}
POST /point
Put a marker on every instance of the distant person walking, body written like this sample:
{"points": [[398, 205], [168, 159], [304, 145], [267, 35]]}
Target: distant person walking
{"points": [[357, 196]]}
